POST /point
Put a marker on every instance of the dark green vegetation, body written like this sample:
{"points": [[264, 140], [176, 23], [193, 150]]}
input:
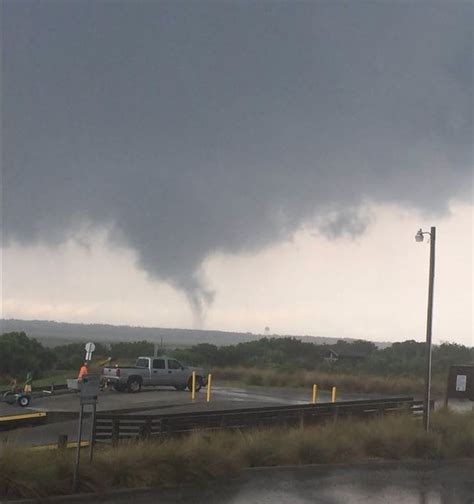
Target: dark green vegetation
{"points": [[20, 354], [399, 359], [267, 361], [221, 455]]}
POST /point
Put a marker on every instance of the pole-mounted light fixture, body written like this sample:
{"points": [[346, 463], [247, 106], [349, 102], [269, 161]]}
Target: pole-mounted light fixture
{"points": [[419, 236]]}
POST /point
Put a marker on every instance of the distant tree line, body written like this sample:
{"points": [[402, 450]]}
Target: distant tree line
{"points": [[20, 354], [406, 358]]}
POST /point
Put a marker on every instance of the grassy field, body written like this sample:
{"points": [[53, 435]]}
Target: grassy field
{"points": [[345, 382], [222, 455]]}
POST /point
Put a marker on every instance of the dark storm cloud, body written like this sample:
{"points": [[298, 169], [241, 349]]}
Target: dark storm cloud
{"points": [[194, 127]]}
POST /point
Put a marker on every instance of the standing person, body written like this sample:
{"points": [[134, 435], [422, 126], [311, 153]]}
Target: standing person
{"points": [[104, 382], [84, 371], [13, 385], [28, 383]]}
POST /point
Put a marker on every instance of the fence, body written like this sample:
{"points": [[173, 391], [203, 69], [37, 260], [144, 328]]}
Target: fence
{"points": [[112, 428]]}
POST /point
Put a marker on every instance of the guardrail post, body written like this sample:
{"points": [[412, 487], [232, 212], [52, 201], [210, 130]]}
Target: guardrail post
{"points": [[62, 441], [115, 431], [193, 386], [145, 430], [314, 395], [209, 381], [333, 394], [302, 419]]}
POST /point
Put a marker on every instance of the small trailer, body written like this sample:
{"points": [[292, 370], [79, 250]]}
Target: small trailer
{"points": [[20, 398]]}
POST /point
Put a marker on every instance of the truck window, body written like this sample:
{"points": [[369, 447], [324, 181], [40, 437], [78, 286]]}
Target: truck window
{"points": [[173, 364], [142, 363], [158, 363]]}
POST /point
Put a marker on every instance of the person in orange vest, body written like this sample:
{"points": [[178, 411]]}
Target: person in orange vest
{"points": [[83, 371]]}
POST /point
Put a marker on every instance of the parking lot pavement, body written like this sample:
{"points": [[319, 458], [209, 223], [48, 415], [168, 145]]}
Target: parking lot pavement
{"points": [[157, 401], [150, 401], [165, 397], [12, 409]]}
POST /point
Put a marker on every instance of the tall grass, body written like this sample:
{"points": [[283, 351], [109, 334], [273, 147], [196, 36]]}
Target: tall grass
{"points": [[201, 457], [347, 382]]}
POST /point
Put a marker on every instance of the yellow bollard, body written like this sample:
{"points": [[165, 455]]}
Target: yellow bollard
{"points": [[314, 396], [193, 386], [209, 381], [333, 394]]}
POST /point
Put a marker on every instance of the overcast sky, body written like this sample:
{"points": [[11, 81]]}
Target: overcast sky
{"points": [[233, 165]]}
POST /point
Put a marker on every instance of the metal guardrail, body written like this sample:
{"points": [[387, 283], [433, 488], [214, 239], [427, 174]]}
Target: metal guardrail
{"points": [[22, 419], [58, 446], [112, 428]]}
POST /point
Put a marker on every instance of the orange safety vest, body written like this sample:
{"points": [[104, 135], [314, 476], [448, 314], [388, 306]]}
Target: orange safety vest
{"points": [[82, 372]]}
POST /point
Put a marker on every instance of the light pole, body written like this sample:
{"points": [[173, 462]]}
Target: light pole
{"points": [[429, 322]]}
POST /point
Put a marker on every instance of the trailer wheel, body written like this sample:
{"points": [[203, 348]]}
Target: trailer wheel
{"points": [[24, 401]]}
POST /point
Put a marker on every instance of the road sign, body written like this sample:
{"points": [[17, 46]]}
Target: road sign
{"points": [[89, 388], [90, 347], [461, 382]]}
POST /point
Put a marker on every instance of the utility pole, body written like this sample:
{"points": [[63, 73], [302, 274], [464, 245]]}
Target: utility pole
{"points": [[429, 323], [429, 326]]}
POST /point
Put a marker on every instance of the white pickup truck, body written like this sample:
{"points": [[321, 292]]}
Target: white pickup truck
{"points": [[153, 371]]}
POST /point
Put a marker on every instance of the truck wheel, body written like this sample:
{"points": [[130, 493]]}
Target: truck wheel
{"points": [[134, 385], [198, 383]]}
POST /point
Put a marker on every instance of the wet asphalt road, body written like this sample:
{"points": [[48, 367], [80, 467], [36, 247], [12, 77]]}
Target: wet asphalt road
{"points": [[403, 483]]}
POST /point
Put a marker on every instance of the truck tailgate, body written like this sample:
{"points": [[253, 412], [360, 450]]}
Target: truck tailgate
{"points": [[110, 372]]}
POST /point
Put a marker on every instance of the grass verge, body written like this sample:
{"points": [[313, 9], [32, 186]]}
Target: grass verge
{"points": [[201, 457], [345, 382]]}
